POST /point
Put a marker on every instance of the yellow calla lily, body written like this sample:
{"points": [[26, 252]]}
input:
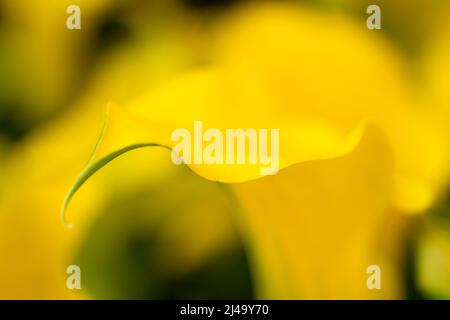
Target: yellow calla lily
{"points": [[315, 226]]}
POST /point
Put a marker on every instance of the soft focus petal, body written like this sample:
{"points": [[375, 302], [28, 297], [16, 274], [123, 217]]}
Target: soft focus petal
{"points": [[315, 227], [332, 210]]}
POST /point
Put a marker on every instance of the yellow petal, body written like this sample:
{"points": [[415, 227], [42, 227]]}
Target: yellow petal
{"points": [[302, 139], [317, 79], [314, 228]]}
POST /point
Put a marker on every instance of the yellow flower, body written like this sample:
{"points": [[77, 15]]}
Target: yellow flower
{"points": [[355, 150]]}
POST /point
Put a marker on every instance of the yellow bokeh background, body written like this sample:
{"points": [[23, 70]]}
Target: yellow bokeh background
{"points": [[364, 121]]}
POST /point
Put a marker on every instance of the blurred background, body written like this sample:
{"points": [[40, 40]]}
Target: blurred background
{"points": [[146, 229]]}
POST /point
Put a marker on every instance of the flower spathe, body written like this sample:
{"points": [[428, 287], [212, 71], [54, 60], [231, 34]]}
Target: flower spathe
{"points": [[355, 152]]}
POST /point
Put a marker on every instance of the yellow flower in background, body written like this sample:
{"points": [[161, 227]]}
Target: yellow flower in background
{"points": [[355, 150], [45, 65], [43, 58], [410, 23]]}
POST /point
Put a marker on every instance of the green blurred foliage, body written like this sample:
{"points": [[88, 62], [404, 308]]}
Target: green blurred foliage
{"points": [[133, 250], [432, 254]]}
